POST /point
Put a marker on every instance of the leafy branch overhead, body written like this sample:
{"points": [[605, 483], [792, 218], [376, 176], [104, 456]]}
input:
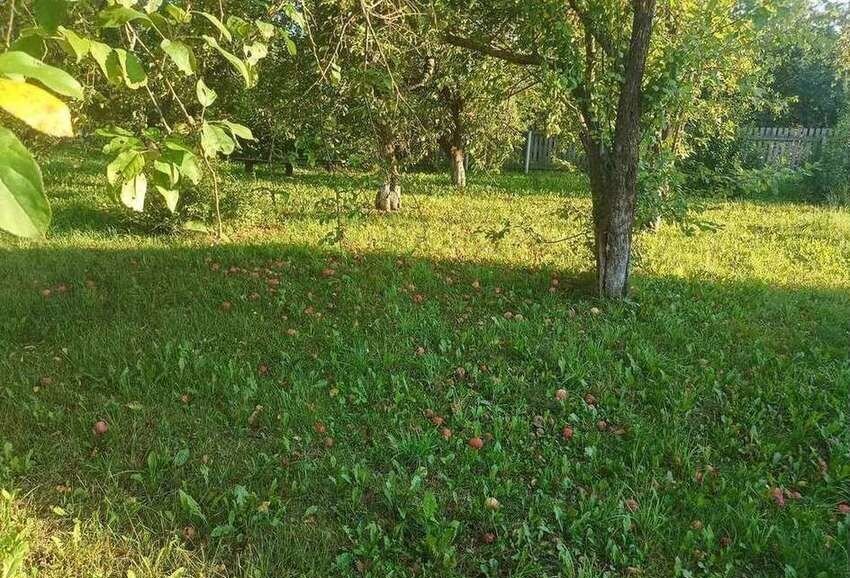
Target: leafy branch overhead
{"points": [[148, 47]]}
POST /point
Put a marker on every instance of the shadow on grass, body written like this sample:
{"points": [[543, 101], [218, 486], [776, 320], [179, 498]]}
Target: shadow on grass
{"points": [[235, 351]]}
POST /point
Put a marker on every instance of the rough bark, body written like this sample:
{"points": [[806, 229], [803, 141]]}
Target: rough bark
{"points": [[614, 173], [288, 169]]}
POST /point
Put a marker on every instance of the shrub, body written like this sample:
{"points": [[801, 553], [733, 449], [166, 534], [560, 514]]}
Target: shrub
{"points": [[830, 179]]}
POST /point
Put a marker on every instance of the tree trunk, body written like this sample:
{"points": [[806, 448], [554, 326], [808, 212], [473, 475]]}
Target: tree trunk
{"points": [[613, 174], [613, 222], [389, 195], [453, 142], [288, 168], [458, 160]]}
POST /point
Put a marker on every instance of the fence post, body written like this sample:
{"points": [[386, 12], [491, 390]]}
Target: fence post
{"points": [[528, 151]]}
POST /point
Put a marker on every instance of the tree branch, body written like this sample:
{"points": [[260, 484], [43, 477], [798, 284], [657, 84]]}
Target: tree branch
{"points": [[522, 59], [602, 39]]}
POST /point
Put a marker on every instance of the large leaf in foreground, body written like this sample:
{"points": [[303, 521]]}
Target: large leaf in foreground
{"points": [[23, 64], [133, 193], [24, 210], [36, 107]]}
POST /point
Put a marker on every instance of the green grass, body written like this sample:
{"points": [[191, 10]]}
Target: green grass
{"points": [[725, 376]]}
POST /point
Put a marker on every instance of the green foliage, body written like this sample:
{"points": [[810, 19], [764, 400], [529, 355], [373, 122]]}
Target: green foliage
{"points": [[162, 143], [803, 54], [24, 209], [830, 177]]}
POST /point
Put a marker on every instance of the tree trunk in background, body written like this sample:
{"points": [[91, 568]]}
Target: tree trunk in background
{"points": [[453, 143], [389, 195], [613, 174], [458, 160]]}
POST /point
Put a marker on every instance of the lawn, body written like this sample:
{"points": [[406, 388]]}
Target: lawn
{"points": [[278, 405]]}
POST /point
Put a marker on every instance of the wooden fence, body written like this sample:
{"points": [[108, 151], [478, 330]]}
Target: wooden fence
{"points": [[785, 146], [769, 145], [539, 150]]}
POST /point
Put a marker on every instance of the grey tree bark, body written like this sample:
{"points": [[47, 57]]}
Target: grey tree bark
{"points": [[389, 195], [613, 174]]}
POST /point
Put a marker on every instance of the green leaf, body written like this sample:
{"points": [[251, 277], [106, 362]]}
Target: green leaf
{"points": [[31, 44], [23, 64], [290, 46], [152, 133], [218, 24], [175, 144], [49, 13], [112, 131], [182, 456], [266, 29], [171, 197], [239, 27], [77, 45], [125, 166], [206, 95], [224, 529], [237, 130], [106, 60], [118, 16], [161, 24], [247, 74], [215, 140], [191, 507], [181, 55], [24, 210], [190, 169], [36, 107], [133, 193], [429, 505], [122, 143], [169, 169], [255, 52], [131, 69], [177, 14]]}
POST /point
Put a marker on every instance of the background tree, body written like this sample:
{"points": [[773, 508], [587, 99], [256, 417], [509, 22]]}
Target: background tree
{"points": [[377, 58], [596, 52], [482, 106], [803, 52]]}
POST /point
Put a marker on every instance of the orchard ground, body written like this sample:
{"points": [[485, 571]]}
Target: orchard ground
{"points": [[279, 406]]}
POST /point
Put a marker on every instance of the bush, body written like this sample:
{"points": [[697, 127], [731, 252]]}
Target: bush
{"points": [[830, 178]]}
